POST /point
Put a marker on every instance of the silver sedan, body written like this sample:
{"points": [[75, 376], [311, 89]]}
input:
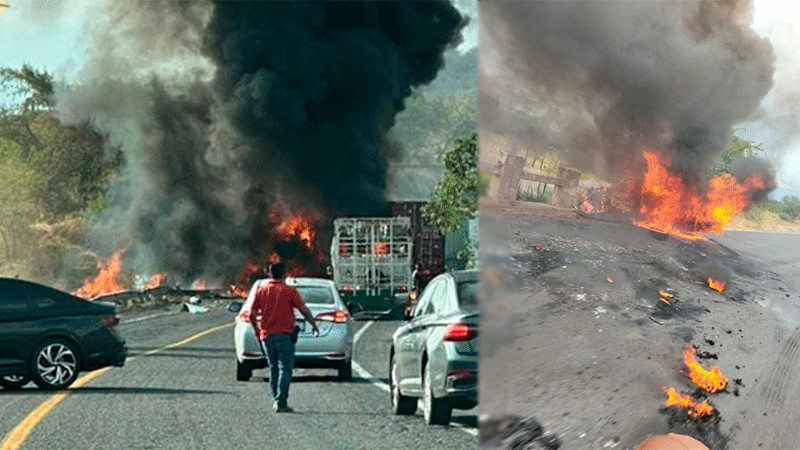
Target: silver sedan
{"points": [[332, 349], [435, 355]]}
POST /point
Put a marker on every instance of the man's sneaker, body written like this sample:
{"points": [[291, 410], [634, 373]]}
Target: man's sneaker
{"points": [[284, 409], [275, 406]]}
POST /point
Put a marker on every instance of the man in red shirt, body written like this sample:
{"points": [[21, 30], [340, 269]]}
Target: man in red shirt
{"points": [[272, 317]]}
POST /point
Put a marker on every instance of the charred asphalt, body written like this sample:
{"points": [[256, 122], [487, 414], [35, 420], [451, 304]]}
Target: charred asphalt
{"points": [[187, 397], [578, 342]]}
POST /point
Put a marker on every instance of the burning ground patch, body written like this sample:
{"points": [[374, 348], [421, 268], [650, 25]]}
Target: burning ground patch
{"points": [[577, 336], [705, 429]]}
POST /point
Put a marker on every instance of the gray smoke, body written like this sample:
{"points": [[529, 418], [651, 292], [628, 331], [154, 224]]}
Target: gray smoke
{"points": [[752, 166], [618, 77], [225, 110]]}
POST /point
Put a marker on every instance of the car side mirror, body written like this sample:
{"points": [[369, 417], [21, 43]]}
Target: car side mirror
{"points": [[235, 306]]}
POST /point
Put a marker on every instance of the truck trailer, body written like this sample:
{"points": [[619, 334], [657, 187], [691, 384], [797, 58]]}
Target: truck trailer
{"points": [[372, 260]]}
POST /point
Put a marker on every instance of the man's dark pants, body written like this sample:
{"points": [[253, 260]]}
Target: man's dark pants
{"points": [[279, 349]]}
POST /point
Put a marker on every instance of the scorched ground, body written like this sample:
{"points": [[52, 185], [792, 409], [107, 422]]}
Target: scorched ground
{"points": [[580, 336]]}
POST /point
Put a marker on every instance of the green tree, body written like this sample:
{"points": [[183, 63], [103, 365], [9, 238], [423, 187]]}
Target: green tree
{"points": [[791, 208], [456, 197], [35, 87], [738, 148], [73, 160], [52, 177]]}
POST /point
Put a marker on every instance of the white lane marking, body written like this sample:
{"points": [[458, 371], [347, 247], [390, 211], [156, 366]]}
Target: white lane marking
{"points": [[375, 381], [151, 316]]}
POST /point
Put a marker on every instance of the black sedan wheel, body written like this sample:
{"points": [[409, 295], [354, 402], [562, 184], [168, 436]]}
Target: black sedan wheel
{"points": [[55, 364], [14, 382], [401, 404]]}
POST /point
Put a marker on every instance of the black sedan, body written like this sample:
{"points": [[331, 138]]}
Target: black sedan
{"points": [[49, 336]]}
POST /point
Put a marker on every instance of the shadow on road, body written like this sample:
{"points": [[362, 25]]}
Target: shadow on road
{"points": [[327, 379], [467, 421], [117, 390], [227, 350], [182, 354], [340, 413]]}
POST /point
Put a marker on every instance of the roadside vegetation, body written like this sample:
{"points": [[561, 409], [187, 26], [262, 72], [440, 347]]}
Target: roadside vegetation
{"points": [[53, 177]]}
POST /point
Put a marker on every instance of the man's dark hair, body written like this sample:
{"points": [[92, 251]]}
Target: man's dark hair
{"points": [[277, 270]]}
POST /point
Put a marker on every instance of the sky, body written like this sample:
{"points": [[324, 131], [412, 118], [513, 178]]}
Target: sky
{"points": [[48, 34], [779, 127]]}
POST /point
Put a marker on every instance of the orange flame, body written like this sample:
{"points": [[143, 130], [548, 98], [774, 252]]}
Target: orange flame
{"points": [[156, 280], [710, 380], [296, 225], [665, 301], [240, 291], [381, 248], [106, 281], [246, 278], [669, 206], [716, 284], [685, 401], [665, 294], [199, 284], [610, 280]]}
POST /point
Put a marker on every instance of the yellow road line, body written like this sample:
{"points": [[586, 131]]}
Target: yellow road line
{"points": [[20, 433]]}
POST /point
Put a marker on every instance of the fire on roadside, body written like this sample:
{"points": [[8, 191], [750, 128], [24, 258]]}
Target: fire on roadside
{"points": [[669, 206], [107, 280], [716, 284], [665, 294], [674, 398], [709, 380], [296, 225], [156, 280], [292, 242]]}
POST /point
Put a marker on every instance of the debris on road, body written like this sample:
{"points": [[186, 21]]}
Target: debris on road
{"points": [[509, 431], [194, 309]]}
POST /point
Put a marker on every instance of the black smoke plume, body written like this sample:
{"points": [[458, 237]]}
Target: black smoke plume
{"points": [[225, 109], [615, 78]]}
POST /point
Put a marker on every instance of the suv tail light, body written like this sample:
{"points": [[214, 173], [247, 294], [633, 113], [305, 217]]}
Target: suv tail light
{"points": [[338, 316], [109, 321], [458, 332]]}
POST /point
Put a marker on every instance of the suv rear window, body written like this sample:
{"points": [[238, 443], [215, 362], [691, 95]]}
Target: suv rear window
{"points": [[468, 295], [316, 294]]}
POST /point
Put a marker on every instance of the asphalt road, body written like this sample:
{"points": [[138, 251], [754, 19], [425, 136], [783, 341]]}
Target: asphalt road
{"points": [[187, 397]]}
